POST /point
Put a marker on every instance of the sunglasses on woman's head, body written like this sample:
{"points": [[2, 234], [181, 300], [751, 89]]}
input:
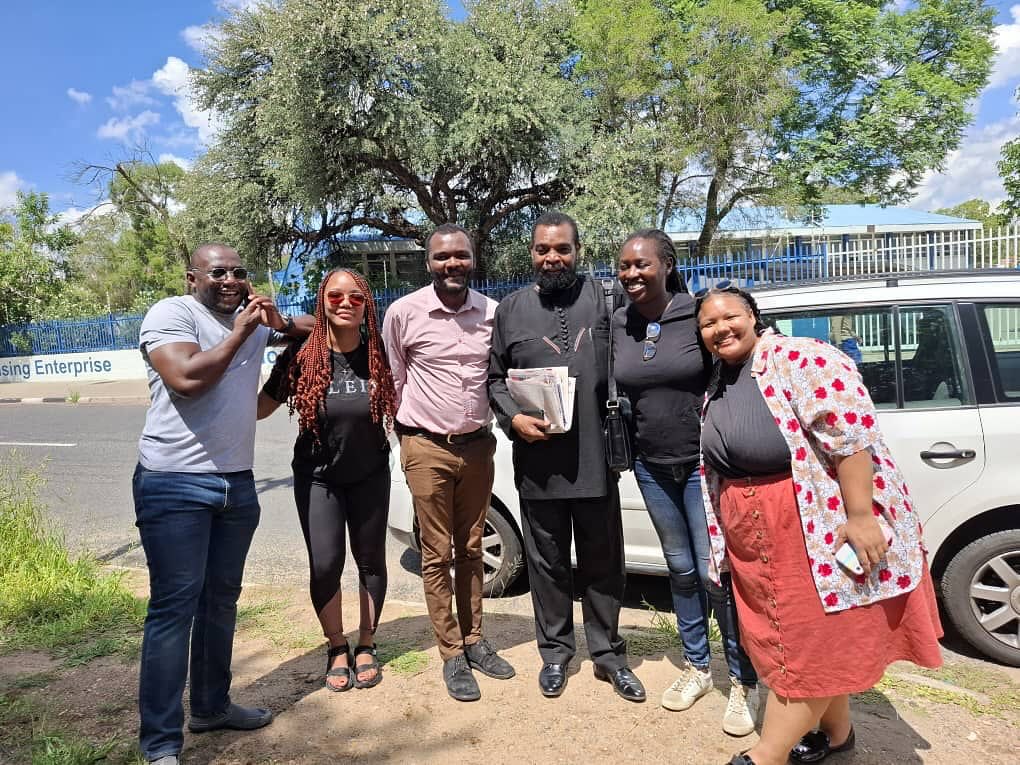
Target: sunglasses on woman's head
{"points": [[723, 285], [335, 298]]}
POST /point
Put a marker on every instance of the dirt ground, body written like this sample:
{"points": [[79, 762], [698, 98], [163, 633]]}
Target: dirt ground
{"points": [[967, 712]]}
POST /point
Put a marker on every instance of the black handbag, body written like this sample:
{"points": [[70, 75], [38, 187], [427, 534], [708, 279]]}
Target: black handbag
{"points": [[614, 427]]}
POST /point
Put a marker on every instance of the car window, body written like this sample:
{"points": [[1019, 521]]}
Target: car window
{"points": [[909, 358], [1002, 325]]}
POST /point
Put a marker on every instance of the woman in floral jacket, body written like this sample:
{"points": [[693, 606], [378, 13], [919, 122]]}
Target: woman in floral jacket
{"points": [[794, 467]]}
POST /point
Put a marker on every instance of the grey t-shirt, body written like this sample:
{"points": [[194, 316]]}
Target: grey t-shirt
{"points": [[740, 437], [213, 432]]}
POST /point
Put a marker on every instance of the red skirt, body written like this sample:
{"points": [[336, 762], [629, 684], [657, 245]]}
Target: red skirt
{"points": [[798, 650]]}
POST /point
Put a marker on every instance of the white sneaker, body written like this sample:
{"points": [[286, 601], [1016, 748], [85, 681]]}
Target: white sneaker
{"points": [[170, 759], [687, 689], [741, 709]]}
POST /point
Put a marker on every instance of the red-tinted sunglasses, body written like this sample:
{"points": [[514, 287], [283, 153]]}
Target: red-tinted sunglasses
{"points": [[336, 297]]}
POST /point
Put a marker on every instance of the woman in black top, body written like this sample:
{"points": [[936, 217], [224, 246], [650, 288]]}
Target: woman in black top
{"points": [[662, 367], [339, 382]]}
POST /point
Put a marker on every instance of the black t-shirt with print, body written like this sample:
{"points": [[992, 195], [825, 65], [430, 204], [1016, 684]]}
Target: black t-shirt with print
{"points": [[353, 446]]}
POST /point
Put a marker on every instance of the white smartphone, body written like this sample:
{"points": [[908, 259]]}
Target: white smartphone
{"points": [[847, 558]]}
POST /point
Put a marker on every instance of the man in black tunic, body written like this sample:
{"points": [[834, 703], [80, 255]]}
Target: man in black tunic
{"points": [[563, 481]]}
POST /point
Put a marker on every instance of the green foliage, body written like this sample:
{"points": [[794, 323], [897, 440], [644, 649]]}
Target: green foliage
{"points": [[50, 599], [384, 115], [1009, 171], [133, 254], [28, 733], [702, 106], [32, 251], [977, 209]]}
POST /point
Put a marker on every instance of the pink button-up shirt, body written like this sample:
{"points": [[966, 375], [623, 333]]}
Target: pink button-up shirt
{"points": [[440, 360]]}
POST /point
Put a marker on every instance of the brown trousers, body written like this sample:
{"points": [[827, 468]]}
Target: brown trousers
{"points": [[451, 485]]}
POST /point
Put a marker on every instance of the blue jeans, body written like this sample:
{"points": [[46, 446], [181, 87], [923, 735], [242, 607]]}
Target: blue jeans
{"points": [[672, 494], [196, 529]]}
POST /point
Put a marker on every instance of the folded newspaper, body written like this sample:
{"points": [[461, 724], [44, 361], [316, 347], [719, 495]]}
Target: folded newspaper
{"points": [[547, 392]]}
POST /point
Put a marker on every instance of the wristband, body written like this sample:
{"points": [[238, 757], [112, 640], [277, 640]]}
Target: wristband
{"points": [[289, 326]]}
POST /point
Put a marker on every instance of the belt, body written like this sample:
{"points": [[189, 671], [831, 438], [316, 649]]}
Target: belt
{"points": [[447, 438]]}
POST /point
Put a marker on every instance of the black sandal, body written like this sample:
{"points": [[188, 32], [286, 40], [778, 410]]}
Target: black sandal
{"points": [[344, 672], [374, 664]]}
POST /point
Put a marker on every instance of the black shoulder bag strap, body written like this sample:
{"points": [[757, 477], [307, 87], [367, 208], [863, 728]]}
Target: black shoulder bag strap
{"points": [[617, 439]]}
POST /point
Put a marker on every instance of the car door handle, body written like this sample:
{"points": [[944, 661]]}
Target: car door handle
{"points": [[953, 454]]}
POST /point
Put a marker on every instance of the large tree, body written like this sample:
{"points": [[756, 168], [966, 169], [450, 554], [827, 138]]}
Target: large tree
{"points": [[706, 105], [977, 209], [385, 115], [132, 247], [33, 245]]}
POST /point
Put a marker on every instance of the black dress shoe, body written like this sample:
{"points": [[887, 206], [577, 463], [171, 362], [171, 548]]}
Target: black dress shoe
{"points": [[740, 759], [814, 746], [624, 682], [460, 683], [552, 679]]}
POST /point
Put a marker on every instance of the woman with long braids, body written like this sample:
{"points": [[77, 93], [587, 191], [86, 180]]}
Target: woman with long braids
{"points": [[340, 385]]}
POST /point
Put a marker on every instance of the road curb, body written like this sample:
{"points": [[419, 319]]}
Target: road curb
{"points": [[82, 400]]}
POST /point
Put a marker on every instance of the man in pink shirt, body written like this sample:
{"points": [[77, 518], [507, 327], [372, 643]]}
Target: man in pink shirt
{"points": [[438, 339]]}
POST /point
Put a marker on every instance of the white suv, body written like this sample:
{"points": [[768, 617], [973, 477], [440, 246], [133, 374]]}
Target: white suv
{"points": [[940, 355]]}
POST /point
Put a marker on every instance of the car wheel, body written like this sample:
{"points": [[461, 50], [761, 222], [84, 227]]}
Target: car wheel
{"points": [[502, 554], [981, 594]]}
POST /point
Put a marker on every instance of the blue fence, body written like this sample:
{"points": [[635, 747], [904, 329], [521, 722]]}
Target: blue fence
{"points": [[113, 332], [120, 332]]}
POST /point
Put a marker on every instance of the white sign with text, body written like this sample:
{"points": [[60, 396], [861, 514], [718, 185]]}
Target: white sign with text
{"points": [[101, 366]]}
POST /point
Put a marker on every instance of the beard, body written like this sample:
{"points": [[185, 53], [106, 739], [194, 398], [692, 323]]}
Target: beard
{"points": [[555, 281]]}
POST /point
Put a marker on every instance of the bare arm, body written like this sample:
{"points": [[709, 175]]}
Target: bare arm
{"points": [[190, 371], [855, 475], [267, 405]]}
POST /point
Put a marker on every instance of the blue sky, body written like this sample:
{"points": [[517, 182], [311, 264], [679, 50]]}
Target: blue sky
{"points": [[88, 80]]}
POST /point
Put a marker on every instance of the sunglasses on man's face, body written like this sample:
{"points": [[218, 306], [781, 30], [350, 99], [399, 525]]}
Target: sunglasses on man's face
{"points": [[335, 298], [652, 334], [723, 285], [219, 274]]}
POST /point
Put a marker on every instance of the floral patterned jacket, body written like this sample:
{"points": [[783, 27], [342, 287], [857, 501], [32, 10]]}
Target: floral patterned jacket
{"points": [[823, 409]]}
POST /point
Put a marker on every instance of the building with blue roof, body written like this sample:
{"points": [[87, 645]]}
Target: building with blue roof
{"points": [[834, 220]]}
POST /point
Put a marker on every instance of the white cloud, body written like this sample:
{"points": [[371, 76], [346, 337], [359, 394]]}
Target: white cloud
{"points": [[128, 128], [72, 215], [135, 93], [10, 185], [971, 171], [198, 37], [1007, 62], [237, 5], [79, 96], [174, 79], [184, 164]]}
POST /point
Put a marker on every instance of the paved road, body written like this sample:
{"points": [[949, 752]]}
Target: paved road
{"points": [[88, 488], [89, 496]]}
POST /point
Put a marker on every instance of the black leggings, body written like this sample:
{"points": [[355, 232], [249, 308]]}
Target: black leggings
{"points": [[325, 509]]}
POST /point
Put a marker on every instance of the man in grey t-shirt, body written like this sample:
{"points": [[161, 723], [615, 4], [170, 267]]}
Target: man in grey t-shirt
{"points": [[194, 493]]}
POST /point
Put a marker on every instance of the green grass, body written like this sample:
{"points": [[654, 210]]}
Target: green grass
{"points": [[267, 619], [73, 397], [402, 656], [27, 734], [663, 633], [999, 696], [37, 680], [49, 598]]}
